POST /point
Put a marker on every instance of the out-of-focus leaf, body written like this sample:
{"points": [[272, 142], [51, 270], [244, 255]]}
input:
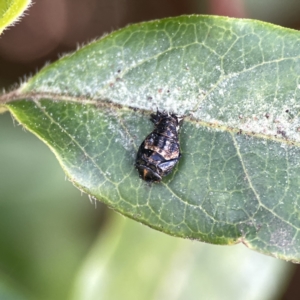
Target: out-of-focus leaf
{"points": [[10, 291], [145, 264], [10, 11]]}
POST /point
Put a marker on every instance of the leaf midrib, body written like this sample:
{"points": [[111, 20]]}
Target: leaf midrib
{"points": [[170, 190], [216, 125]]}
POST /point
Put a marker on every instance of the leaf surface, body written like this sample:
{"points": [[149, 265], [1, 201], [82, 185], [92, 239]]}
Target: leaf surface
{"points": [[237, 84]]}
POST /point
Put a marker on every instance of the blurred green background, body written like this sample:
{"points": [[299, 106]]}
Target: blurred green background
{"points": [[57, 244]]}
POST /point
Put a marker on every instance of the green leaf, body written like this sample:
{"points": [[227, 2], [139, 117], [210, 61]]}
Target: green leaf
{"points": [[10, 11], [237, 84]]}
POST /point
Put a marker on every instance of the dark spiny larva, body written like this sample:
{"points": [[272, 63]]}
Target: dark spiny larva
{"points": [[160, 151]]}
